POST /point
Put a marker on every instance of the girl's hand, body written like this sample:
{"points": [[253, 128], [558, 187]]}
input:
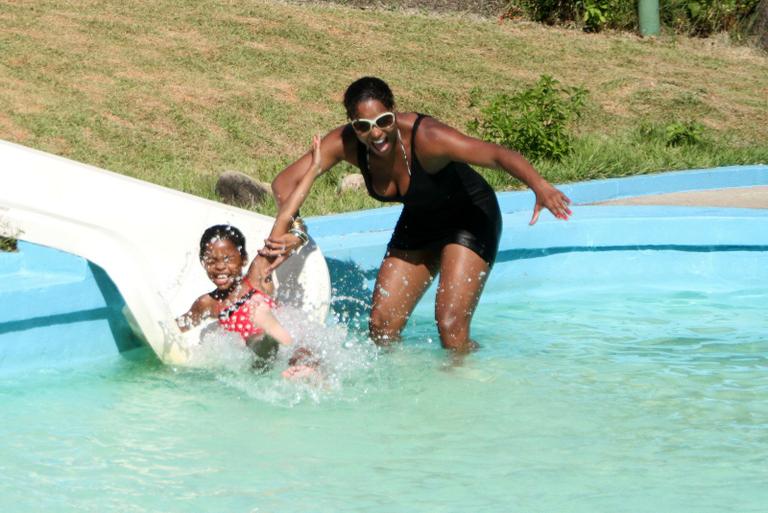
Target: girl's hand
{"points": [[553, 200], [297, 372]]}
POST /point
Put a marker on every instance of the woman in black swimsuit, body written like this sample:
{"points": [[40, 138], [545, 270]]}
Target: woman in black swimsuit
{"points": [[450, 223]]}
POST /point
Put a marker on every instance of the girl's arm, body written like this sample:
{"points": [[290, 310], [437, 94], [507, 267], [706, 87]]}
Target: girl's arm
{"points": [[199, 310], [262, 316]]}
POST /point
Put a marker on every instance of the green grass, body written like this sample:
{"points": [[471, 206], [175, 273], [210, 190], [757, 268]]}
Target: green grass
{"points": [[7, 244], [176, 91]]}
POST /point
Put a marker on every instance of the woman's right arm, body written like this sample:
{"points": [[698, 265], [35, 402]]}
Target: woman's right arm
{"points": [[332, 152], [291, 180], [292, 204]]}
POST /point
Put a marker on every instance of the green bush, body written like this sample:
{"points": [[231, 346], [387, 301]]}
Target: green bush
{"points": [[608, 14], [7, 244], [691, 17], [684, 133], [675, 133], [534, 121], [705, 17], [549, 11], [592, 15]]}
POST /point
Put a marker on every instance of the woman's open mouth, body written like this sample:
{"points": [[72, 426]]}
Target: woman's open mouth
{"points": [[380, 145]]}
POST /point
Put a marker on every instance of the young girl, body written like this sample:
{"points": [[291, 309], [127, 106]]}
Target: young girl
{"points": [[243, 304]]}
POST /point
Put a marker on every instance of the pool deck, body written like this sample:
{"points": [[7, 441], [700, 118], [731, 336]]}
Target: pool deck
{"points": [[730, 197]]}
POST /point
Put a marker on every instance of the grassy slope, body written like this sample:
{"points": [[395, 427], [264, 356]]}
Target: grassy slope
{"points": [[176, 91]]}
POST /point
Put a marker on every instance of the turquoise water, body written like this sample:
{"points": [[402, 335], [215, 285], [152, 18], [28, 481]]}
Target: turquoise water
{"points": [[622, 382]]}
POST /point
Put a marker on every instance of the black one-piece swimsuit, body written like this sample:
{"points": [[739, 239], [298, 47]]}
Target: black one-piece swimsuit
{"points": [[454, 205]]}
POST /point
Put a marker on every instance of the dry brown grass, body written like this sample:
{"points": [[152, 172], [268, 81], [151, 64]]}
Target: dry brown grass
{"points": [[173, 92]]}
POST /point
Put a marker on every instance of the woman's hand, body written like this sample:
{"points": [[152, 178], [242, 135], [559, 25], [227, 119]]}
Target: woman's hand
{"points": [[278, 249], [553, 200]]}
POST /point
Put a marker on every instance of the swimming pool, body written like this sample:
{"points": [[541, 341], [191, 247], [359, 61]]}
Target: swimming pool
{"points": [[598, 398], [624, 375]]}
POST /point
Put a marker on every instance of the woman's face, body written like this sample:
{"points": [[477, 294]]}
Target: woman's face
{"points": [[223, 263], [375, 126]]}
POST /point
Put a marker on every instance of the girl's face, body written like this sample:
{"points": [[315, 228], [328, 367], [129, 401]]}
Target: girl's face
{"points": [[375, 126], [223, 263]]}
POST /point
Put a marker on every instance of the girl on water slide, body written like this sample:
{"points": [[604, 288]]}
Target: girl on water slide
{"points": [[243, 303]]}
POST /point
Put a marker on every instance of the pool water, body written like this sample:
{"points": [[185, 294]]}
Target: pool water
{"points": [[619, 382]]}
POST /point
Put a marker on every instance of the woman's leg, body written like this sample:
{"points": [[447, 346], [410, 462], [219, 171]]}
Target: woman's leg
{"points": [[403, 278], [463, 274]]}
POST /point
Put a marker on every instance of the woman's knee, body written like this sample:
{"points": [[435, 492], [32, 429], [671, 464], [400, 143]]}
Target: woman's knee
{"points": [[382, 325], [453, 325]]}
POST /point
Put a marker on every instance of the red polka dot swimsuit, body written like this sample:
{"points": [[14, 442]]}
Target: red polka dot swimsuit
{"points": [[237, 317]]}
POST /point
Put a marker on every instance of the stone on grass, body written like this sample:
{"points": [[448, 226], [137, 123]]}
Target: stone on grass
{"points": [[353, 182], [760, 24], [239, 189]]}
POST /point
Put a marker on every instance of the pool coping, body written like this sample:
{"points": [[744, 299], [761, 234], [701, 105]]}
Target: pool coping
{"points": [[580, 193], [361, 236]]}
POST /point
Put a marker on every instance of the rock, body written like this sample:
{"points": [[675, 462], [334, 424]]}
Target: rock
{"points": [[353, 182], [239, 189], [760, 25]]}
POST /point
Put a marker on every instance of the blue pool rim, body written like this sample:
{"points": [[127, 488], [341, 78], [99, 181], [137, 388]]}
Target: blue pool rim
{"points": [[354, 244], [361, 236]]}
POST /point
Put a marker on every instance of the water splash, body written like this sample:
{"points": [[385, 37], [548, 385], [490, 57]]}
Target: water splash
{"points": [[345, 357]]}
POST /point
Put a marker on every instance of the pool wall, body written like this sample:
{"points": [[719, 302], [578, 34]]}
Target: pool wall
{"points": [[354, 243], [58, 309]]}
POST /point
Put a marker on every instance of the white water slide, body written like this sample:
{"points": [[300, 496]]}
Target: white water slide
{"points": [[144, 236]]}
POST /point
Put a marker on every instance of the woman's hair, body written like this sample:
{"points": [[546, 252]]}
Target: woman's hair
{"points": [[367, 88], [223, 232]]}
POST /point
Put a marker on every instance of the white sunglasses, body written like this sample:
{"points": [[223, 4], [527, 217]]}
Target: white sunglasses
{"points": [[383, 121]]}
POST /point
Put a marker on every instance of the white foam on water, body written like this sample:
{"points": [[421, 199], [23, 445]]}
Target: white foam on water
{"points": [[343, 357], [219, 349]]}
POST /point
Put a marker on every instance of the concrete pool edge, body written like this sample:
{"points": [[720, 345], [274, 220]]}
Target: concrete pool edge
{"points": [[361, 236], [581, 193]]}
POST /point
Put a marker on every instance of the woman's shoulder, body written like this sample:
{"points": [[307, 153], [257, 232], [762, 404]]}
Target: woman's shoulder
{"points": [[429, 122], [408, 118], [431, 131]]}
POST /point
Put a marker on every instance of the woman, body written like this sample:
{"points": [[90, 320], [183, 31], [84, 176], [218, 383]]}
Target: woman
{"points": [[450, 223]]}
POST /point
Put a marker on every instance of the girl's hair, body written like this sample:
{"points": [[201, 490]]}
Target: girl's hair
{"points": [[223, 232], [367, 88]]}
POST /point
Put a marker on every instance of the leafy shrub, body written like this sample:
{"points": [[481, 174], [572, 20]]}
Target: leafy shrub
{"points": [[7, 244], [549, 11], [688, 133], [692, 17], [534, 121], [676, 133], [608, 14], [705, 17], [593, 15]]}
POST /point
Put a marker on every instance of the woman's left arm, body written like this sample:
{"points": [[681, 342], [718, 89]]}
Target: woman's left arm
{"points": [[440, 144]]}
